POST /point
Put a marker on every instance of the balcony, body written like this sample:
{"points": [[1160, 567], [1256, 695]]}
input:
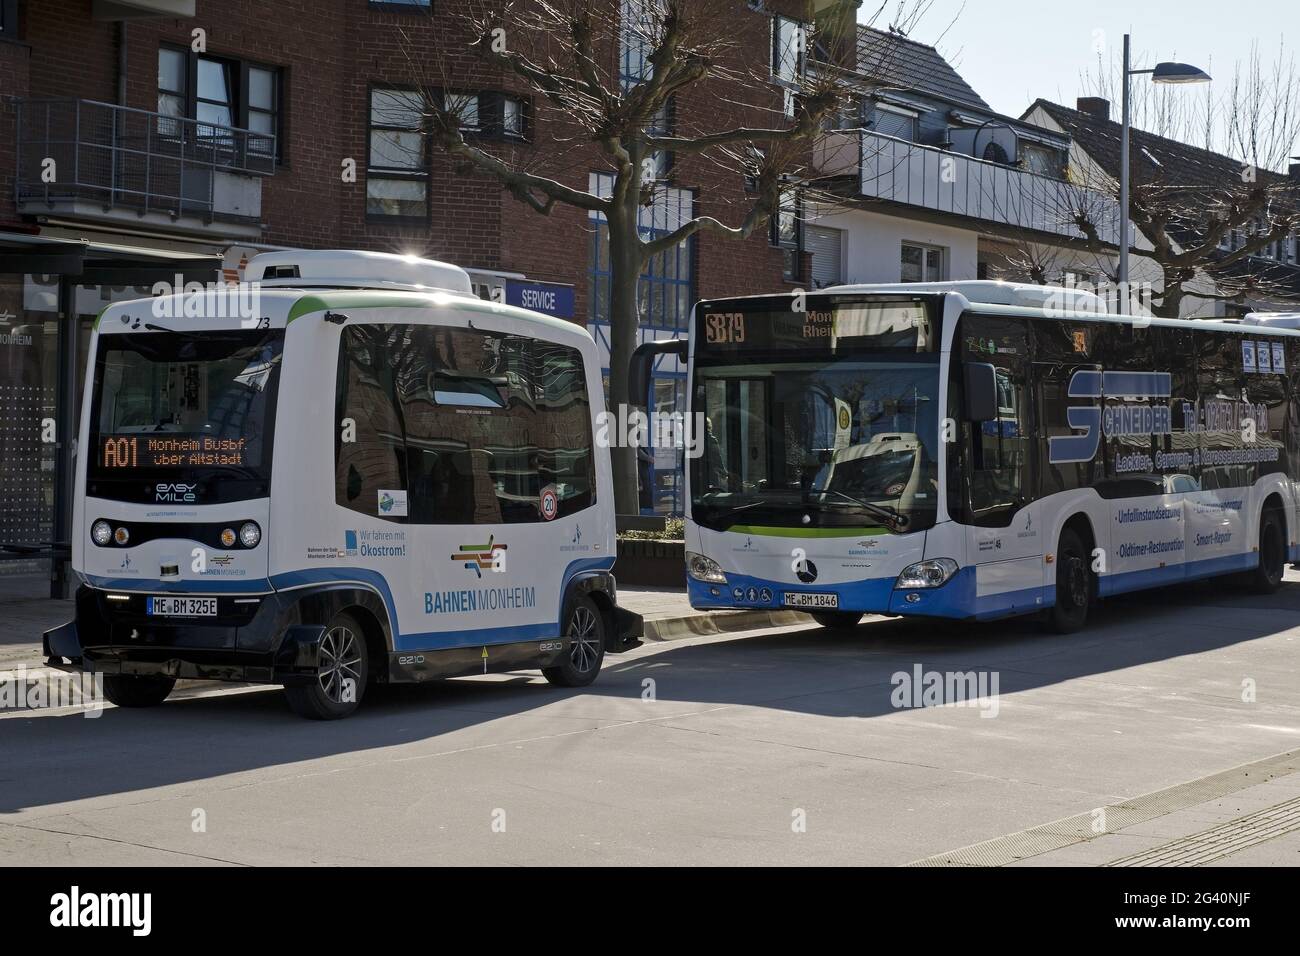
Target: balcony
{"points": [[82, 159], [1005, 200]]}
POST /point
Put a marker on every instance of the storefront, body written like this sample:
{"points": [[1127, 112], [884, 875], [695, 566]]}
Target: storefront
{"points": [[51, 290]]}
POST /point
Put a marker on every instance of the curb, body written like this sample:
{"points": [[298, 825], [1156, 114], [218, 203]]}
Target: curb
{"points": [[719, 622]]}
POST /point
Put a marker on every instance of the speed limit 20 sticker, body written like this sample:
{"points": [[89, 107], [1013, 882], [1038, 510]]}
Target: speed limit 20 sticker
{"points": [[550, 503]]}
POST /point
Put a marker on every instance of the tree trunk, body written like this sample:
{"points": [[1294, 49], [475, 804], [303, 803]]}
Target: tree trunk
{"points": [[1171, 299], [624, 320]]}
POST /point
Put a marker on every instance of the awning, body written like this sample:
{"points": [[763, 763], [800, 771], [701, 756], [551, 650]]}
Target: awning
{"points": [[101, 261]]}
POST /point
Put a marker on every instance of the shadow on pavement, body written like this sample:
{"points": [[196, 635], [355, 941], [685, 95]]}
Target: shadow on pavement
{"points": [[48, 760]]}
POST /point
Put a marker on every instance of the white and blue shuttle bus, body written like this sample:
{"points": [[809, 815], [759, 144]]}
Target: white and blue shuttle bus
{"points": [[980, 450], [371, 475]]}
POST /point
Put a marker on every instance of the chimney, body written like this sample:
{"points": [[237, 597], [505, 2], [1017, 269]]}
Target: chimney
{"points": [[1097, 107]]}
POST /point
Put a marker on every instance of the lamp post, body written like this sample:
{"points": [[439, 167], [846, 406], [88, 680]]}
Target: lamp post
{"points": [[1162, 73]]}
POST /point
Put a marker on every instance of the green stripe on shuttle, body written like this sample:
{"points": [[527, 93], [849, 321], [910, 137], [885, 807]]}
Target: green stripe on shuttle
{"points": [[806, 532]]}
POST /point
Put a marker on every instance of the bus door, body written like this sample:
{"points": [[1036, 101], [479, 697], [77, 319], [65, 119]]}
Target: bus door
{"points": [[1006, 543]]}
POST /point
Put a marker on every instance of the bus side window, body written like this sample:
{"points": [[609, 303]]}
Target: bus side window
{"points": [[498, 429], [1000, 448], [368, 433]]}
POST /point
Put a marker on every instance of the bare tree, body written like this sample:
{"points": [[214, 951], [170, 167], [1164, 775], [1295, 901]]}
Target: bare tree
{"points": [[1218, 228], [573, 57]]}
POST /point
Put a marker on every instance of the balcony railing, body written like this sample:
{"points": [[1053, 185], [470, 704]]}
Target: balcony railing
{"points": [[1014, 201], [74, 152]]}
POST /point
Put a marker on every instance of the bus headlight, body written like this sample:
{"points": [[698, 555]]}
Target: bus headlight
{"points": [[249, 534], [101, 532], [704, 569], [926, 574]]}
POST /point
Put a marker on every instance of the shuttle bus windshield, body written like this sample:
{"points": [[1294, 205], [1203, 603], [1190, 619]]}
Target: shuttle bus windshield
{"points": [[193, 410]]}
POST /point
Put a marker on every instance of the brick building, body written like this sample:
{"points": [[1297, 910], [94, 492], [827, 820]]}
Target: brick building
{"points": [[145, 139]]}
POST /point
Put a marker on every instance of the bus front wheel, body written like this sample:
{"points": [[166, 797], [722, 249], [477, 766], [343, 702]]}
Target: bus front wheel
{"points": [[131, 690], [340, 679], [584, 626], [837, 620], [1074, 585]]}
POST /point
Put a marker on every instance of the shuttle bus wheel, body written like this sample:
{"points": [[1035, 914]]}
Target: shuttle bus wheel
{"points": [[132, 690], [836, 620], [1074, 585], [1267, 577], [585, 628], [340, 679]]}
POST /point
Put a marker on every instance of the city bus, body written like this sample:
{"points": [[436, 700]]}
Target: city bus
{"points": [[349, 470], [979, 450]]}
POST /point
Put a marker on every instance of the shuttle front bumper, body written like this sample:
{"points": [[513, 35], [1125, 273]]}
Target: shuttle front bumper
{"points": [[250, 643]]}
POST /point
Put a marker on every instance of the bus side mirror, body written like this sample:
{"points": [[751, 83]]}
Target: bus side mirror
{"points": [[641, 368], [981, 392]]}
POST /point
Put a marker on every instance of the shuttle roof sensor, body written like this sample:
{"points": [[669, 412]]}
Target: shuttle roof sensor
{"points": [[309, 268]]}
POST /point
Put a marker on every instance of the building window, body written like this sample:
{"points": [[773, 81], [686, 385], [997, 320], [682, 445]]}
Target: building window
{"points": [[220, 94], [787, 233], [397, 174], [403, 6], [9, 19], [465, 107], [512, 116], [1042, 160], [789, 40], [636, 35], [489, 114], [900, 124], [666, 290], [922, 263]]}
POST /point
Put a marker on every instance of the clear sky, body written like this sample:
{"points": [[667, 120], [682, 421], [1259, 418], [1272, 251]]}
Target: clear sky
{"points": [[1013, 51]]}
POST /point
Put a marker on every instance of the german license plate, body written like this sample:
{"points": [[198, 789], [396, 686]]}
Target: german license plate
{"points": [[813, 599], [181, 607]]}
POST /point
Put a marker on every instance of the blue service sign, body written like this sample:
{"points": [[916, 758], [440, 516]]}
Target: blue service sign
{"points": [[549, 298]]}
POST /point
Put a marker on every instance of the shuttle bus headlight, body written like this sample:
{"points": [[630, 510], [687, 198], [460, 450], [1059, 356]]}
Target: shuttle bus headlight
{"points": [[101, 532], [228, 537], [704, 569], [122, 536], [926, 574], [249, 534]]}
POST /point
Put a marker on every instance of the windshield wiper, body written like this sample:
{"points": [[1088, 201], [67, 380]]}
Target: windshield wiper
{"points": [[893, 520]]}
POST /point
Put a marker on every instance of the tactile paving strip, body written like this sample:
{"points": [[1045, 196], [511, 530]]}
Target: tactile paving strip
{"points": [[1217, 842], [1080, 828]]}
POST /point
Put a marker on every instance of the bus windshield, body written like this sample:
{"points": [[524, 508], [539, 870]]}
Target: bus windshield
{"points": [[849, 441], [184, 410]]}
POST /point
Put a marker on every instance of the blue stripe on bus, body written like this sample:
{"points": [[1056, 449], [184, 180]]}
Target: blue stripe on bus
{"points": [[959, 598], [414, 641]]}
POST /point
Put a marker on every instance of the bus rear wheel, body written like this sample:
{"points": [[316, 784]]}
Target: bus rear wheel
{"points": [[133, 690], [585, 628], [837, 620], [1267, 576], [335, 690], [1074, 585]]}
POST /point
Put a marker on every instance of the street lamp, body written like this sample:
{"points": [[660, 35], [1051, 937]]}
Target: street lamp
{"points": [[1162, 73]]}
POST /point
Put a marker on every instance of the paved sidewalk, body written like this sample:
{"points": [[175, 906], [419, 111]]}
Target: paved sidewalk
{"points": [[668, 616], [21, 625]]}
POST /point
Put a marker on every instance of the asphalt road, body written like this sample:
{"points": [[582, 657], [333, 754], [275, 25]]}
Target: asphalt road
{"points": [[768, 747]]}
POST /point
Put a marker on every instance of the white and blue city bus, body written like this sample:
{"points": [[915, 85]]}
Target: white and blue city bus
{"points": [[979, 450], [371, 475]]}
